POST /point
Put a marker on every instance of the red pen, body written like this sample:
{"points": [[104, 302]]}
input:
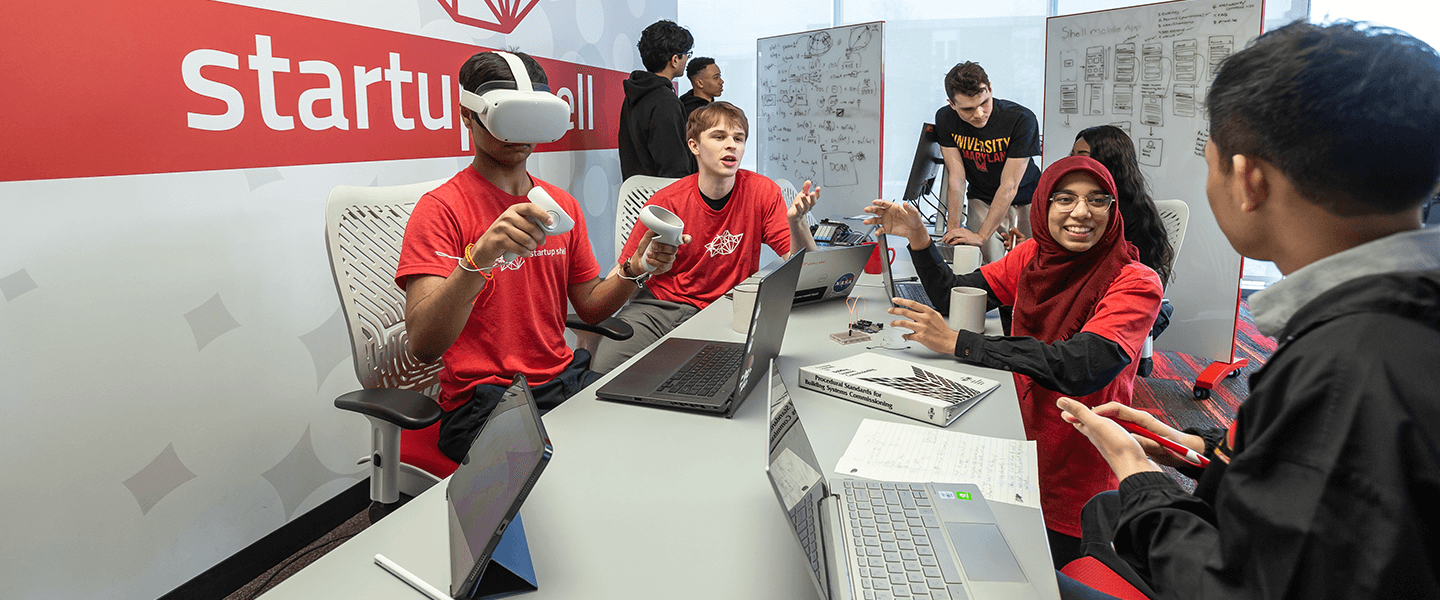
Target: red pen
{"points": [[1189, 455]]}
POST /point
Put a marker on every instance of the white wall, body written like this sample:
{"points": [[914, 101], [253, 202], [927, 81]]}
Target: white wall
{"points": [[171, 343]]}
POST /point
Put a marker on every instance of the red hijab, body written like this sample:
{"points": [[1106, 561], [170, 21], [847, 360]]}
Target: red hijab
{"points": [[1058, 289]]}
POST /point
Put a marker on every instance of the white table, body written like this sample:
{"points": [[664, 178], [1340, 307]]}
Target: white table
{"points": [[641, 502]]}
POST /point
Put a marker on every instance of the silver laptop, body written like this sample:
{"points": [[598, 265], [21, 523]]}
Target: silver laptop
{"points": [[830, 273], [484, 495], [909, 290], [706, 375], [883, 539]]}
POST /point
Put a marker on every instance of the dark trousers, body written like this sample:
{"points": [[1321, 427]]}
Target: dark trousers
{"points": [[459, 427]]}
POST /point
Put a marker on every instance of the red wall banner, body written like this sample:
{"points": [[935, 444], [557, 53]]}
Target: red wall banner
{"points": [[117, 88]]}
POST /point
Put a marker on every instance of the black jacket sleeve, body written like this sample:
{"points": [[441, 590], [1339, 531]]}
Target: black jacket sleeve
{"points": [[937, 278], [1330, 486], [1083, 364]]}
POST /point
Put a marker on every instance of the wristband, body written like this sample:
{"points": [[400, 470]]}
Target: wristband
{"points": [[638, 279]]}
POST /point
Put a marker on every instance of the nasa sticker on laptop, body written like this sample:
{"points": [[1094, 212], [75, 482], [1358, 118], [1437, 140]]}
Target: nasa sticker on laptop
{"points": [[844, 282]]}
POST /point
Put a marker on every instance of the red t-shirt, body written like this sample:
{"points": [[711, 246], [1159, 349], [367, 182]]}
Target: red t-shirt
{"points": [[725, 244], [518, 323], [1071, 469]]}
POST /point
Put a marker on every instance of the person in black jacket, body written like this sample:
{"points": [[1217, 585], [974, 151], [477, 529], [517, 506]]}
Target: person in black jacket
{"points": [[1322, 148], [652, 120]]}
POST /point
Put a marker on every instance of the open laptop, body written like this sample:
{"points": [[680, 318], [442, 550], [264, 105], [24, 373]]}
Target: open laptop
{"points": [[830, 273], [868, 539], [707, 375], [909, 290], [485, 493]]}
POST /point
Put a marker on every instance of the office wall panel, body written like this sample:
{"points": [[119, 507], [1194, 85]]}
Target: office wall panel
{"points": [[170, 339]]}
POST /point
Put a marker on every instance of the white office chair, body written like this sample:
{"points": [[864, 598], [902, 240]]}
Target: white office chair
{"points": [[634, 192], [364, 228], [787, 195], [1174, 216], [787, 190]]}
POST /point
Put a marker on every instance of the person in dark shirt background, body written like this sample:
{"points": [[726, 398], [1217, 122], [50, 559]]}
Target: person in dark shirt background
{"points": [[652, 119], [987, 144], [705, 84]]}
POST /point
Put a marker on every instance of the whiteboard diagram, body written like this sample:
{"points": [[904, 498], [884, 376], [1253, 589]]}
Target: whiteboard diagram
{"points": [[1146, 70], [819, 111]]}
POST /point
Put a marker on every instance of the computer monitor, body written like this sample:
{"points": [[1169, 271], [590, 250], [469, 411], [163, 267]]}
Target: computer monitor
{"points": [[925, 165]]}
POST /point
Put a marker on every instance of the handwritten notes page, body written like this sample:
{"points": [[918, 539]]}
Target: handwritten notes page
{"points": [[1005, 470]]}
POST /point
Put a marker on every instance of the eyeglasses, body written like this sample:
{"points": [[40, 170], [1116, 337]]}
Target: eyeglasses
{"points": [[688, 54], [1067, 202]]}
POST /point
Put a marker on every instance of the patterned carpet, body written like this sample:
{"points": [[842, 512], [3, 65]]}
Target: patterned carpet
{"points": [[1168, 389]]}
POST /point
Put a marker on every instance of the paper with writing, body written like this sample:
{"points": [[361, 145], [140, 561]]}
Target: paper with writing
{"points": [[1005, 470]]}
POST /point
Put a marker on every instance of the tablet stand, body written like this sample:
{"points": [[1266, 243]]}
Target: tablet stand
{"points": [[510, 570]]}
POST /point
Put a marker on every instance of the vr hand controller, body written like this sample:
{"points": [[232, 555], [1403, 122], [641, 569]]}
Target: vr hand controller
{"points": [[560, 222], [665, 224]]}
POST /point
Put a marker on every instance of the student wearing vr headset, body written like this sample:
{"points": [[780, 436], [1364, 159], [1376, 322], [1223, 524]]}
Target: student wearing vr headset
{"points": [[730, 212], [486, 317]]}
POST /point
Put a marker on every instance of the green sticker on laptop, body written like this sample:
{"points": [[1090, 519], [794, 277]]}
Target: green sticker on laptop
{"points": [[954, 495]]}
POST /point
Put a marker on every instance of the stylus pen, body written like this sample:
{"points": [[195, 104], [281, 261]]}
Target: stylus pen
{"points": [[1189, 455], [405, 576]]}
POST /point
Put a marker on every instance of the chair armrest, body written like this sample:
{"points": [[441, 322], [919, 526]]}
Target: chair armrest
{"points": [[612, 327], [405, 408]]}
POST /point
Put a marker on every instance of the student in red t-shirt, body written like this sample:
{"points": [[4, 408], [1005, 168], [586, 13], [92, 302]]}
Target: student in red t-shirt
{"points": [[1083, 306], [729, 212], [489, 321]]}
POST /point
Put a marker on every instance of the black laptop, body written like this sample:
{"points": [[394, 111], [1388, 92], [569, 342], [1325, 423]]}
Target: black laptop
{"points": [[710, 376], [909, 290]]}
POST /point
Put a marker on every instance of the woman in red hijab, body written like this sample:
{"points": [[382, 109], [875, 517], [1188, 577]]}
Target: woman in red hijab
{"points": [[1083, 305]]}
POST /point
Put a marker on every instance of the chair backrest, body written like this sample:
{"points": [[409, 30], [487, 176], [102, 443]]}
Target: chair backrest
{"points": [[364, 227], [1174, 215], [634, 192], [787, 190]]}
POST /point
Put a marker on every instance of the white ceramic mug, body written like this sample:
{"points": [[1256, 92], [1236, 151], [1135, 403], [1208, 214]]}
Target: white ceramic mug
{"points": [[744, 301], [967, 309], [966, 259]]}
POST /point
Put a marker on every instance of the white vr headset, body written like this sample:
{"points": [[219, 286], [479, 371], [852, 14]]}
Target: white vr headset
{"points": [[515, 111]]}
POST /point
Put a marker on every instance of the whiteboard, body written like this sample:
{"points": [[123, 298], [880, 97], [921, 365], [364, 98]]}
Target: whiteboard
{"points": [[820, 103], [1146, 69]]}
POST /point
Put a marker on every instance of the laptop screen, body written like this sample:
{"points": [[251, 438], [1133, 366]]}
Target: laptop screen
{"points": [[885, 265], [767, 325], [795, 476], [486, 490]]}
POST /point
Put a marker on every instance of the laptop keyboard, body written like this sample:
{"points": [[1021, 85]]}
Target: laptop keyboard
{"points": [[892, 526], [913, 292], [711, 367]]}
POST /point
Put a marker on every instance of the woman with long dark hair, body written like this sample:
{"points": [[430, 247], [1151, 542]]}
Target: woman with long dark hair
{"points": [[1109, 146]]}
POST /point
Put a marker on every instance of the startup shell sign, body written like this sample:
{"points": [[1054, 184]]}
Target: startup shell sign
{"points": [[113, 88]]}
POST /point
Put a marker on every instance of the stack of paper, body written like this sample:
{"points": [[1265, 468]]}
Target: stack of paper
{"points": [[1004, 470]]}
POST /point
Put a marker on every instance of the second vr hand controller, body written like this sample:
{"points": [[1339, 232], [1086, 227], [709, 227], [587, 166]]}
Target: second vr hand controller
{"points": [[665, 224], [560, 222]]}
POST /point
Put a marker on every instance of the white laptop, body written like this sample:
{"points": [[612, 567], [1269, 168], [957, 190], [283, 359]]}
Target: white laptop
{"points": [[879, 540]]}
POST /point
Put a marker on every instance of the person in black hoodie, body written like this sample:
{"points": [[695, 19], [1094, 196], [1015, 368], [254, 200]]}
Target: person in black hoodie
{"points": [[652, 120], [1322, 148]]}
